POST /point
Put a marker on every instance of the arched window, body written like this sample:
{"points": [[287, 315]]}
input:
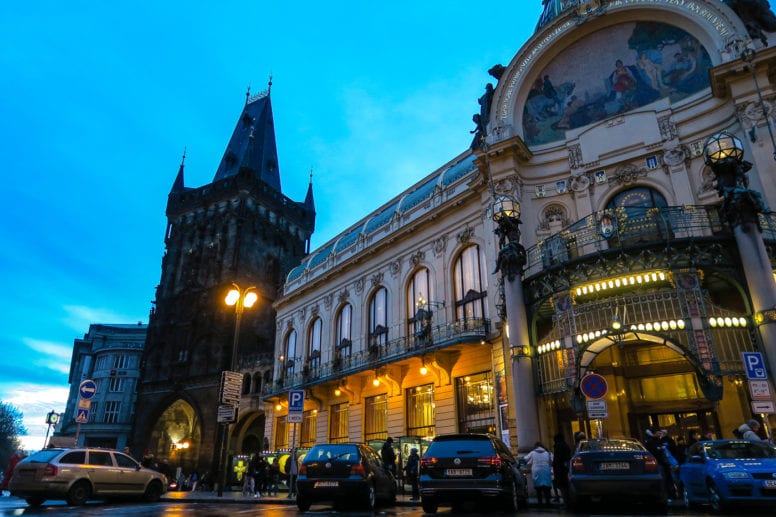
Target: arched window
{"points": [[290, 348], [471, 290], [314, 345], [634, 216], [344, 341], [418, 312], [378, 318]]}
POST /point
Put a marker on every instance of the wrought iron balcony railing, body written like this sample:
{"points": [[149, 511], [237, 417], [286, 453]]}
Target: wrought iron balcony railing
{"points": [[624, 227], [374, 356]]}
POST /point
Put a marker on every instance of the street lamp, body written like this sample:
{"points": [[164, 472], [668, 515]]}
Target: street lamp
{"points": [[240, 299], [510, 262]]}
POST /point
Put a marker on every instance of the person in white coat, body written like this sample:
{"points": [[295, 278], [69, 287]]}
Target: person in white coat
{"points": [[539, 461]]}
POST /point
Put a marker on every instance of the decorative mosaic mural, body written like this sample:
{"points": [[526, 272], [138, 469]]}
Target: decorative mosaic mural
{"points": [[613, 71]]}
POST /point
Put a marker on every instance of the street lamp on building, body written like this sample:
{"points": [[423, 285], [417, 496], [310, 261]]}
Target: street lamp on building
{"points": [[741, 208], [240, 299], [511, 262]]}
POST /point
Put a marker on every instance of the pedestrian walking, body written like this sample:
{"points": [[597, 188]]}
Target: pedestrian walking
{"points": [[560, 466], [412, 470], [249, 479], [388, 455], [749, 431], [12, 462], [293, 471], [539, 460]]}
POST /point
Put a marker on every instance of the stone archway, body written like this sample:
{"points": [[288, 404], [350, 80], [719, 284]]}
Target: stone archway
{"points": [[176, 437]]}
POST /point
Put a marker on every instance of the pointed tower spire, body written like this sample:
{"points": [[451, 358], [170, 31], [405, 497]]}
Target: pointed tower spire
{"points": [[309, 202], [252, 145], [177, 186]]}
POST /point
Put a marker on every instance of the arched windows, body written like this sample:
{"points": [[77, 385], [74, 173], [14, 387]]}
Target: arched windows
{"points": [[290, 353], [471, 289], [418, 289], [344, 340], [378, 318], [314, 345]]}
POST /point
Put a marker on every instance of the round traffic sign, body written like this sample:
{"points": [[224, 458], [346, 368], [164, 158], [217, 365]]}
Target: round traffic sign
{"points": [[594, 386], [87, 389]]}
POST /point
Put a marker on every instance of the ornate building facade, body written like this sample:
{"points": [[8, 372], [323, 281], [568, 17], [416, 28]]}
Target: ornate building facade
{"points": [[413, 323]]}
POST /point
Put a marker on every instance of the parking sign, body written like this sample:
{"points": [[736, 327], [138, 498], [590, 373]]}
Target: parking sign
{"points": [[754, 366], [295, 406]]}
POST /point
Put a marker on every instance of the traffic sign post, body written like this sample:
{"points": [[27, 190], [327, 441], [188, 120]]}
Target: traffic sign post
{"points": [[754, 364], [87, 389], [295, 406], [594, 386]]}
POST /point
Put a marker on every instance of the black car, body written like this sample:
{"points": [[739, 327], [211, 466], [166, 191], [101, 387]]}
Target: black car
{"points": [[618, 468], [458, 468], [344, 473]]}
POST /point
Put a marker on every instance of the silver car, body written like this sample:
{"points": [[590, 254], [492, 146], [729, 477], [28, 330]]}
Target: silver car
{"points": [[82, 473]]}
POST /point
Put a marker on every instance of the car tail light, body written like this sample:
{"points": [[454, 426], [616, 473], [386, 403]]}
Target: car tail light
{"points": [[427, 462], [577, 465], [490, 461], [650, 464], [358, 470], [303, 470], [50, 470]]}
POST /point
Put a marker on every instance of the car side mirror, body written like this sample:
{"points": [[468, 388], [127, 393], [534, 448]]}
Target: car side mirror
{"points": [[696, 459]]}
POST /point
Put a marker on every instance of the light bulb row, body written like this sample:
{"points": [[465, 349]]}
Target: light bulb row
{"points": [[621, 281], [727, 321]]}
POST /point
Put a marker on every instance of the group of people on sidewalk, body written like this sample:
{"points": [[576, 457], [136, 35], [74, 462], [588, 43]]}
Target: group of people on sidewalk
{"points": [[262, 478], [411, 468]]}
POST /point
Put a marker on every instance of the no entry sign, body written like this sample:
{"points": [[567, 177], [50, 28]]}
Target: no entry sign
{"points": [[593, 386]]}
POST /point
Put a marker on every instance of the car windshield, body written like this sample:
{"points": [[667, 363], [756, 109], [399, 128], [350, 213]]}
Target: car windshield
{"points": [[331, 452], [461, 447], [739, 450], [44, 456], [606, 444]]}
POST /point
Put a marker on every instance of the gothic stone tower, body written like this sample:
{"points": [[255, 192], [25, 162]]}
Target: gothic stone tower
{"points": [[240, 228]]}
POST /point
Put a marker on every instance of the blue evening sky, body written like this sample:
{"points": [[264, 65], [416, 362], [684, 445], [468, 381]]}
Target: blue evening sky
{"points": [[99, 99]]}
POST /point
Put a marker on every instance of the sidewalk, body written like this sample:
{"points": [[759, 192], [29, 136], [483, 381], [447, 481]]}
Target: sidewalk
{"points": [[236, 497]]}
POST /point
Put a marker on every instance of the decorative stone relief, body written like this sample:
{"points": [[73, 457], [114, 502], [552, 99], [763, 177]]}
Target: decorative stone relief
{"points": [[751, 113], [579, 182], [344, 295], [553, 214], [575, 156], [465, 235], [628, 174], [289, 324], [440, 245], [667, 127], [708, 179], [376, 279], [417, 258], [507, 187], [301, 313], [328, 300], [359, 285], [394, 268], [315, 310], [674, 156]]}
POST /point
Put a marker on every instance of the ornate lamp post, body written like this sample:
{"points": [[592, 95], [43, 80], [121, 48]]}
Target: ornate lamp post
{"points": [[240, 299], [511, 261], [724, 154]]}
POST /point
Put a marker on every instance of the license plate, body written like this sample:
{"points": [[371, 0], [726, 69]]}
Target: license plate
{"points": [[326, 484], [614, 465], [769, 483], [458, 472]]}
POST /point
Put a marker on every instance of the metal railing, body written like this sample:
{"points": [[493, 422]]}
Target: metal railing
{"points": [[460, 331], [624, 227]]}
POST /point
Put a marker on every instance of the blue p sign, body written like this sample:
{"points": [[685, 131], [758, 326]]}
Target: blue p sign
{"points": [[296, 400], [754, 366]]}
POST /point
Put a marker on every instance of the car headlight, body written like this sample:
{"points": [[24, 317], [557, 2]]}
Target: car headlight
{"points": [[736, 475]]}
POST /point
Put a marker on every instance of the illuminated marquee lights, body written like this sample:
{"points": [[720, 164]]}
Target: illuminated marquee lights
{"points": [[607, 284], [727, 321]]}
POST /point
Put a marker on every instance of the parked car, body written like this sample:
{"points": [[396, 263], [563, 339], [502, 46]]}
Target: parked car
{"points": [[610, 469], [457, 468], [344, 473], [79, 474], [723, 473]]}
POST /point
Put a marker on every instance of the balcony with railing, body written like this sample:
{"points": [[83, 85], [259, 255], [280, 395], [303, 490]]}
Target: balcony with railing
{"points": [[466, 330], [622, 228]]}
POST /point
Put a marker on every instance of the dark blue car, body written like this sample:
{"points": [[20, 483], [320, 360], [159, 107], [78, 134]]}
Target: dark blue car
{"points": [[724, 473]]}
